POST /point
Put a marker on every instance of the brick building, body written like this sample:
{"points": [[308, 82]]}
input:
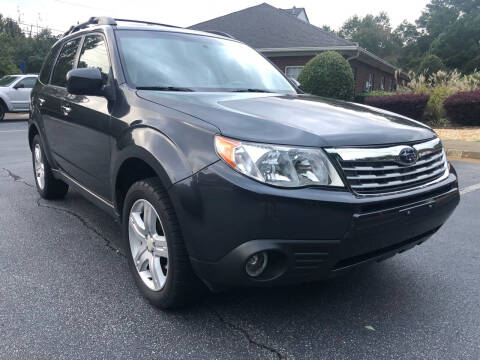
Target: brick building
{"points": [[288, 39]]}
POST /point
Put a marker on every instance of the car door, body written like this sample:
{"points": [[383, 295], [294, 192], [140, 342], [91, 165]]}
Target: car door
{"points": [[51, 97], [20, 93], [87, 123]]}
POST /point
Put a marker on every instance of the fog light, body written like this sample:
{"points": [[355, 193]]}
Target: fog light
{"points": [[256, 264]]}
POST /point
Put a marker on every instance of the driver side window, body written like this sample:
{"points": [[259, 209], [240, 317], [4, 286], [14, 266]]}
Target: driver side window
{"points": [[28, 83], [94, 55]]}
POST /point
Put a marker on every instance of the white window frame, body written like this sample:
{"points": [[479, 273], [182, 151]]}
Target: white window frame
{"points": [[293, 66], [369, 82]]}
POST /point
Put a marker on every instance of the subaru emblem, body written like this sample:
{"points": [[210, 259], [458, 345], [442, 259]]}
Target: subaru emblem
{"points": [[408, 156]]}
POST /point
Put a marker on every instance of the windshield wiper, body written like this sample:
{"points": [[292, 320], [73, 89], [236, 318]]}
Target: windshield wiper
{"points": [[252, 90], [163, 88]]}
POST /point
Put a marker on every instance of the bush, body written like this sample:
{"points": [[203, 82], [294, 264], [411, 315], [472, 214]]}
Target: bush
{"points": [[439, 86], [360, 98], [431, 64], [328, 74], [410, 105], [463, 108]]}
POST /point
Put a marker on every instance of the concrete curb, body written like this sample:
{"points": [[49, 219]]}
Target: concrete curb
{"points": [[463, 154]]}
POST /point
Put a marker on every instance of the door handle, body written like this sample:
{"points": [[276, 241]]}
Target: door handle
{"points": [[41, 101], [66, 110]]}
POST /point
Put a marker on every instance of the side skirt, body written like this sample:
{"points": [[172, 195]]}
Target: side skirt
{"points": [[88, 194]]}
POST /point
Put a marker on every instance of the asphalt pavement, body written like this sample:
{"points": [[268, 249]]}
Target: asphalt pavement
{"points": [[66, 292]]}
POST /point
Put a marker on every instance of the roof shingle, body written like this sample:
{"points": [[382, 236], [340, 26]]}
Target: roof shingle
{"points": [[264, 26]]}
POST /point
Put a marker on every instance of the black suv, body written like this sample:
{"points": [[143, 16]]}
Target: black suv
{"points": [[221, 172]]}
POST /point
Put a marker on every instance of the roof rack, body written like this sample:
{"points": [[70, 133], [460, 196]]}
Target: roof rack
{"points": [[105, 20], [221, 33], [102, 20], [145, 22]]}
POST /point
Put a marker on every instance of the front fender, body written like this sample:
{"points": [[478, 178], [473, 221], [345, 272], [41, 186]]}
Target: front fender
{"points": [[4, 99], [155, 149]]}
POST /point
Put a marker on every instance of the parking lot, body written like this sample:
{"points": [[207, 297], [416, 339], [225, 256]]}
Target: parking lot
{"points": [[66, 291]]}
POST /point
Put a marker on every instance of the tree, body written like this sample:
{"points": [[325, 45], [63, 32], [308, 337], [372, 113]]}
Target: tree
{"points": [[373, 33], [33, 50], [328, 74], [438, 15], [431, 64], [16, 47], [459, 43], [449, 29], [10, 27], [407, 33], [7, 65], [328, 29]]}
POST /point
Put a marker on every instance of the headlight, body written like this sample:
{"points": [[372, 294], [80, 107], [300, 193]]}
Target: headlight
{"points": [[279, 165]]}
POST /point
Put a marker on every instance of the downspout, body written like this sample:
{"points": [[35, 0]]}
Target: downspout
{"points": [[355, 56], [351, 58]]}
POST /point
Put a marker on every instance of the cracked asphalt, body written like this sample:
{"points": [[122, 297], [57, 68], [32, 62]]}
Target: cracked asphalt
{"points": [[66, 292]]}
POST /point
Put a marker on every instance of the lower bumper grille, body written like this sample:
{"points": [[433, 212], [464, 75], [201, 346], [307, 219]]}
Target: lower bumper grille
{"points": [[381, 170]]}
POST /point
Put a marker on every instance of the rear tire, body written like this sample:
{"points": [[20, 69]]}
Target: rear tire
{"points": [[47, 186], [155, 248]]}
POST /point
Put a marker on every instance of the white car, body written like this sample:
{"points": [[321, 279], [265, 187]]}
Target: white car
{"points": [[15, 93]]}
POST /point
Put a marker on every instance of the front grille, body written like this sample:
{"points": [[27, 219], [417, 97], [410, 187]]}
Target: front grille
{"points": [[379, 170]]}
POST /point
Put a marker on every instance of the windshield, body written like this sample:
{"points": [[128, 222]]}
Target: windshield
{"points": [[185, 62], [7, 80]]}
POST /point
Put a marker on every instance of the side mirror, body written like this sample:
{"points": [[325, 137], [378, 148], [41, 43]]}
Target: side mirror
{"points": [[20, 85], [85, 81]]}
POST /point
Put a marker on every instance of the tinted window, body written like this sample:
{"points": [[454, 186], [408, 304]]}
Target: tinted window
{"points": [[202, 63], [7, 80], [65, 62], [94, 55], [28, 82], [47, 66]]}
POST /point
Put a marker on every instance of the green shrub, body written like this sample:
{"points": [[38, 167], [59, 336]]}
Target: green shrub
{"points": [[439, 86], [431, 64], [434, 110], [360, 98], [328, 74]]}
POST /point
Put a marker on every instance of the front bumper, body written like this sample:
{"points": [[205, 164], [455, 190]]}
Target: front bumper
{"points": [[309, 233]]}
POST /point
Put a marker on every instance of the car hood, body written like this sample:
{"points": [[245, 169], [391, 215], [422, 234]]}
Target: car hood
{"points": [[293, 119]]}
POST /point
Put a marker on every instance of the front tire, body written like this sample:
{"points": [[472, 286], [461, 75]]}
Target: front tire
{"points": [[47, 186], [157, 254], [2, 110]]}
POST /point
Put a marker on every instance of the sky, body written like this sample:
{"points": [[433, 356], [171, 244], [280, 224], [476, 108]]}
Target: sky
{"points": [[59, 15]]}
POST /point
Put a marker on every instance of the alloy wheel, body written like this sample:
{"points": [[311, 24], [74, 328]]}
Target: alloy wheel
{"points": [[39, 167], [148, 244]]}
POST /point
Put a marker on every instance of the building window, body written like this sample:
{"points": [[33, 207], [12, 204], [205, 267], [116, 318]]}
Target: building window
{"points": [[382, 83], [292, 72], [369, 83], [355, 74]]}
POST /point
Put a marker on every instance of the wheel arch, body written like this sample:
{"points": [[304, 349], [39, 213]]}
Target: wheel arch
{"points": [[145, 153], [3, 103], [32, 132]]}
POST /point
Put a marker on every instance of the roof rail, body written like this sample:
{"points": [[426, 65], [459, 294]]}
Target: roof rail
{"points": [[101, 20], [221, 33], [105, 20], [146, 22]]}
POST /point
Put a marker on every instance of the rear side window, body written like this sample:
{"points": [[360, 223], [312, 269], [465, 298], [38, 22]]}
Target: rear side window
{"points": [[94, 55], [28, 82], [65, 62], [48, 65]]}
